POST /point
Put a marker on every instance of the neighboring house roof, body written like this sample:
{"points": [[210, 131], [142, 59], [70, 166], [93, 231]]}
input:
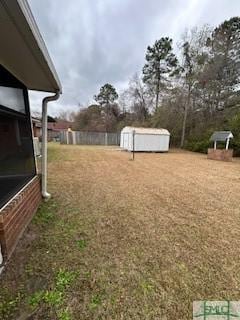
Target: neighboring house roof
{"points": [[36, 120], [23, 51], [146, 131], [55, 125], [221, 136], [60, 125]]}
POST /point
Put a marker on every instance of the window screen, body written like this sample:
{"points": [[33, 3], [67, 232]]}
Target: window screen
{"points": [[17, 163]]}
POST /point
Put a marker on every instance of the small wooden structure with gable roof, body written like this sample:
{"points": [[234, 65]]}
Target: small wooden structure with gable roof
{"points": [[221, 154]]}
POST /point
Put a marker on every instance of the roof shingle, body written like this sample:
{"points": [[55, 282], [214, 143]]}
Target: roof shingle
{"points": [[221, 136]]}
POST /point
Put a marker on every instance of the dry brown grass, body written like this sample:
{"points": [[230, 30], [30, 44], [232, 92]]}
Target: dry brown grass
{"points": [[147, 237]]}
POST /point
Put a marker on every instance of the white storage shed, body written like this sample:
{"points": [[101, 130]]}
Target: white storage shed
{"points": [[145, 139]]}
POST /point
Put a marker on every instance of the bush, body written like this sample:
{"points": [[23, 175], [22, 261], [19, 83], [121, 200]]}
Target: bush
{"points": [[200, 145], [234, 126], [235, 145]]}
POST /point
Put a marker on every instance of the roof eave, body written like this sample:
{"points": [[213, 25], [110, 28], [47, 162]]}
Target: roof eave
{"points": [[42, 46], [24, 53]]}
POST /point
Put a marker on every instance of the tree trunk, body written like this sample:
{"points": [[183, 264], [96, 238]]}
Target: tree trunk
{"points": [[185, 119], [157, 93]]}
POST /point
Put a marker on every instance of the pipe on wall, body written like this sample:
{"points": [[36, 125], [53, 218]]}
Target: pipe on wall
{"points": [[45, 101], [1, 260]]}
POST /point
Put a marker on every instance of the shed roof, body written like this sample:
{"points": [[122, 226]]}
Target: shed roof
{"points": [[23, 51], [221, 136], [147, 131]]}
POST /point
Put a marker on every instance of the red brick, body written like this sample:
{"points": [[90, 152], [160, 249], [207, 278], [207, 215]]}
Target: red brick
{"points": [[220, 154], [17, 214]]}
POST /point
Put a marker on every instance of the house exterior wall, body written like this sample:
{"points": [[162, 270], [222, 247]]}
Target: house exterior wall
{"points": [[52, 134], [16, 215], [37, 131]]}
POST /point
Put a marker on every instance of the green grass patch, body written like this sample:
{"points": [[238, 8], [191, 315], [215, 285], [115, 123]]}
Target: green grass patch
{"points": [[54, 298], [45, 213], [82, 243], [64, 315], [95, 302], [49, 297], [64, 279], [146, 287], [36, 299], [9, 306]]}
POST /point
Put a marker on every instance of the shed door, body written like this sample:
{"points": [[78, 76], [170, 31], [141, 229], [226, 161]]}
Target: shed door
{"points": [[125, 140]]}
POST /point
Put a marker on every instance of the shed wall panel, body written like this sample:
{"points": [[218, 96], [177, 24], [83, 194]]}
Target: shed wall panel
{"points": [[145, 142]]}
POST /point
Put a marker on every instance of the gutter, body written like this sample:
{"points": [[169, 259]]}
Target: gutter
{"points": [[45, 101]]}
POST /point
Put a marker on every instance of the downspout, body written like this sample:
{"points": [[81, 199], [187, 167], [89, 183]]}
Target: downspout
{"points": [[45, 101], [1, 260]]}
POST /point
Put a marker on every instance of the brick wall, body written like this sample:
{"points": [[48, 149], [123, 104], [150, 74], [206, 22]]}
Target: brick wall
{"points": [[16, 215], [220, 154]]}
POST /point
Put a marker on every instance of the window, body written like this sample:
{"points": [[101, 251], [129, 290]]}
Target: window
{"points": [[12, 98], [17, 163]]}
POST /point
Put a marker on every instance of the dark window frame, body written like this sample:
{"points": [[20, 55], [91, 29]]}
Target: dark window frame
{"points": [[8, 80]]}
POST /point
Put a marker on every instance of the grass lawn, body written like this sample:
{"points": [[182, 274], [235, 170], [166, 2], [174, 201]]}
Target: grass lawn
{"points": [[127, 239]]}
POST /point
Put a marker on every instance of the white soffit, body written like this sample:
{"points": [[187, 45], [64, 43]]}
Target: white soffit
{"points": [[23, 51]]}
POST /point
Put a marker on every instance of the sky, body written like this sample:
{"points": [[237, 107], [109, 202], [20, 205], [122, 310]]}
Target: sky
{"points": [[93, 42]]}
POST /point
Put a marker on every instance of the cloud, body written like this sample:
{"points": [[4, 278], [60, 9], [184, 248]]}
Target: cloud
{"points": [[92, 42]]}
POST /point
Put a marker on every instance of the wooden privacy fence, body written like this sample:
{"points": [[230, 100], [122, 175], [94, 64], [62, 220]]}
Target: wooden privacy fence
{"points": [[90, 138]]}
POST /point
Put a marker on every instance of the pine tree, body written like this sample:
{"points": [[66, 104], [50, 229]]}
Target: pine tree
{"points": [[106, 99], [223, 72], [107, 95], [161, 63]]}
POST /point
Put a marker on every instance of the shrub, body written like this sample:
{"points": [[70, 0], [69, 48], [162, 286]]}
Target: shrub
{"points": [[200, 145]]}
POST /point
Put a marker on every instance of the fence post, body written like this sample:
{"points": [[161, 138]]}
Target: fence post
{"points": [[106, 139], [67, 137], [74, 137]]}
